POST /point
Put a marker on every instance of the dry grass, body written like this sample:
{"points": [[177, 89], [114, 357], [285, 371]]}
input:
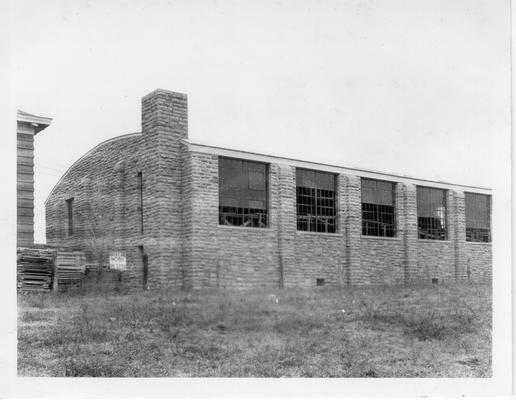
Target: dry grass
{"points": [[425, 331]]}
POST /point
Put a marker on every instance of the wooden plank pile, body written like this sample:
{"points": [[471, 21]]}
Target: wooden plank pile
{"points": [[70, 268], [35, 269], [94, 267]]}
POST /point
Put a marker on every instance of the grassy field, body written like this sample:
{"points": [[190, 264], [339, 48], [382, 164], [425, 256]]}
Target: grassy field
{"points": [[424, 331]]}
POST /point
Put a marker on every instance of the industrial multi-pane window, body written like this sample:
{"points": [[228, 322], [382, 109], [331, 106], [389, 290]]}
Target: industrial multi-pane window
{"points": [[69, 215], [316, 201], [478, 217], [431, 213], [378, 218], [242, 193]]}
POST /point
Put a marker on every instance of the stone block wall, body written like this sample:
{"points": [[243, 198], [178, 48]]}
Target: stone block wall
{"points": [[280, 255], [104, 187], [247, 258], [106, 191], [200, 221], [435, 260], [283, 221], [186, 246], [164, 129], [319, 256], [382, 261], [478, 261], [250, 257], [225, 256]]}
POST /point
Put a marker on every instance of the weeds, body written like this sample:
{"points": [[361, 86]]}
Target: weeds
{"points": [[360, 332], [423, 323], [90, 367], [296, 323], [426, 326], [30, 317]]}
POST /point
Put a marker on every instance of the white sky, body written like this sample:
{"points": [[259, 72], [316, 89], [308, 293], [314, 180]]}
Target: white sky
{"points": [[419, 88]]}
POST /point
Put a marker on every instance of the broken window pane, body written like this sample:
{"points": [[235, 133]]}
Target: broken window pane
{"points": [[431, 213], [316, 201], [478, 217], [378, 217], [242, 193]]}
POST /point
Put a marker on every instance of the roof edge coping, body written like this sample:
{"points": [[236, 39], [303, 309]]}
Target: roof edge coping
{"points": [[113, 139], [314, 164]]}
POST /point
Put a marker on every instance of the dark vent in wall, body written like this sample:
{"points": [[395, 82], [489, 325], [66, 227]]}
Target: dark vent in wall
{"points": [[319, 281], [435, 280]]}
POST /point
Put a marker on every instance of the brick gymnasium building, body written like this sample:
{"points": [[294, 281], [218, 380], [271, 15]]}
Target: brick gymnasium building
{"points": [[202, 216]]}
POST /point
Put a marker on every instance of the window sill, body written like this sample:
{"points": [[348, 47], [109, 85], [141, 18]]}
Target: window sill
{"points": [[246, 228], [395, 238], [433, 240], [319, 233], [479, 243]]}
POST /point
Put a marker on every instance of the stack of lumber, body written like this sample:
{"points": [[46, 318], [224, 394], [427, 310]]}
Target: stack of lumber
{"points": [[35, 269], [95, 267], [70, 268]]}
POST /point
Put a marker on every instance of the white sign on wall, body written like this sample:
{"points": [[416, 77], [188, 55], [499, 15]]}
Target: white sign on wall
{"points": [[117, 260]]}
